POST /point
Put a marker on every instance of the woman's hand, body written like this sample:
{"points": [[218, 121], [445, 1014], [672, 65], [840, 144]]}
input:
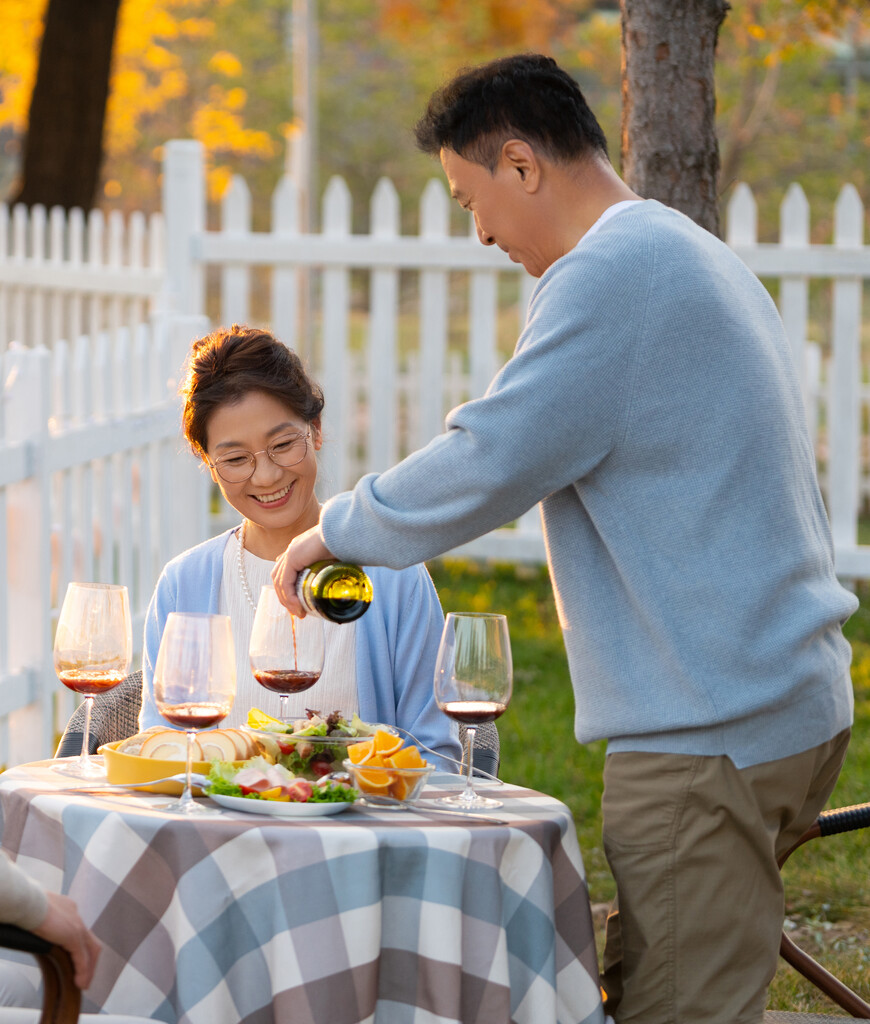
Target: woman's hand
{"points": [[302, 551], [63, 927]]}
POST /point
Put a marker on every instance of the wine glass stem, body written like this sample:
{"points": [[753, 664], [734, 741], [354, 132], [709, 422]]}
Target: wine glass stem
{"points": [[468, 792], [187, 795], [84, 757], [285, 700]]}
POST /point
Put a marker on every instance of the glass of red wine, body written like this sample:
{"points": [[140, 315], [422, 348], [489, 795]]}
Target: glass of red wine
{"points": [[194, 682], [93, 648], [473, 684], [286, 653]]}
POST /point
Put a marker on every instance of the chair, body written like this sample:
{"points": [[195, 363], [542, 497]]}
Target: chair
{"points": [[828, 823], [114, 717], [62, 997], [487, 747]]}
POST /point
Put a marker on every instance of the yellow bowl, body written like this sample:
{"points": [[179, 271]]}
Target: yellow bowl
{"points": [[123, 769]]}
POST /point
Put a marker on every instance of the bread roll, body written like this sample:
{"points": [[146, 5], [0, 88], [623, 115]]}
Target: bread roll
{"points": [[169, 745], [165, 744], [217, 745], [133, 744]]}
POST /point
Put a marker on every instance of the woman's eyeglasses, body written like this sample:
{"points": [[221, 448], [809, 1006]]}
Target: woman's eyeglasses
{"points": [[237, 466]]}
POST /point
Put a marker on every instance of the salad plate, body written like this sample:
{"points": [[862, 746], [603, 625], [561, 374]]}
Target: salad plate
{"points": [[279, 808]]}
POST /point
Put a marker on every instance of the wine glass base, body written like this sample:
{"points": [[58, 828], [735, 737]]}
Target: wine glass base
{"points": [[461, 802], [93, 769], [189, 808]]}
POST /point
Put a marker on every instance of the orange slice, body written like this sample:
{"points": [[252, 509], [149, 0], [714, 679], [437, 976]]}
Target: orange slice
{"points": [[376, 761], [407, 757], [373, 782], [402, 786], [386, 743], [360, 753]]}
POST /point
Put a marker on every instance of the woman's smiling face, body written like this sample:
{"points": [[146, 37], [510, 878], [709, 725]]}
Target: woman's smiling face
{"points": [[274, 497]]}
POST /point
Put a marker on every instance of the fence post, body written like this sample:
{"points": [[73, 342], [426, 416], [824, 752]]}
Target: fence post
{"points": [[794, 233], [845, 396], [383, 349], [184, 212], [235, 277], [287, 283], [337, 427], [186, 490], [434, 225], [26, 401]]}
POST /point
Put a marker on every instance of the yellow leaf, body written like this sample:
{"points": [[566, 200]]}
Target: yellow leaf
{"points": [[225, 63]]}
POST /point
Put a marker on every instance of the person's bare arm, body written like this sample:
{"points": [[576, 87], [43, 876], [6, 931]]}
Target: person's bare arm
{"points": [[302, 551], [64, 927]]}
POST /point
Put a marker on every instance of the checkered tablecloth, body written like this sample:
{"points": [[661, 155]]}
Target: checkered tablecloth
{"points": [[387, 917]]}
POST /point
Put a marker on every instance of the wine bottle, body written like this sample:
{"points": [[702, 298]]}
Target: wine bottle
{"points": [[334, 590]]}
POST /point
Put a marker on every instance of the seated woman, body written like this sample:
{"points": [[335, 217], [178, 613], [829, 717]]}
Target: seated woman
{"points": [[252, 415]]}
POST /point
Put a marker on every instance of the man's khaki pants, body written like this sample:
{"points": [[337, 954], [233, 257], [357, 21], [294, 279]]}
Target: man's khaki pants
{"points": [[692, 843]]}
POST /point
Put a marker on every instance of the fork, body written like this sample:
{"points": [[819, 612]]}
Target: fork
{"points": [[195, 780]]}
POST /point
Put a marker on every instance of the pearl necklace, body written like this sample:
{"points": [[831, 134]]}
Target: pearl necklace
{"points": [[243, 576]]}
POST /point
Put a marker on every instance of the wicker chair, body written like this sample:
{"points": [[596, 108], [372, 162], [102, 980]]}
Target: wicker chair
{"points": [[62, 997], [829, 823], [116, 716], [487, 748]]}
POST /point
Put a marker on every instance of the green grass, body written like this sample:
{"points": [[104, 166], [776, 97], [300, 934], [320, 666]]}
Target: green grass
{"points": [[827, 889]]}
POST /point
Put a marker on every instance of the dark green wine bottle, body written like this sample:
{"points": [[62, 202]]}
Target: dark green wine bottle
{"points": [[334, 590]]}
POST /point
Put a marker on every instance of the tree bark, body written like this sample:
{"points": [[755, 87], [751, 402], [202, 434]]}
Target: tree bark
{"points": [[669, 146], [63, 150]]}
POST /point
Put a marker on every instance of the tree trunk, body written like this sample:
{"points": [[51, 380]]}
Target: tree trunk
{"points": [[63, 150], [669, 146]]}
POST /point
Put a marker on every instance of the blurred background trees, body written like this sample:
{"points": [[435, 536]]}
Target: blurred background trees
{"points": [[792, 88]]}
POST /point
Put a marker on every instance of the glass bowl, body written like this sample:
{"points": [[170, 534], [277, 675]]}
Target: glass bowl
{"points": [[388, 785], [310, 757]]}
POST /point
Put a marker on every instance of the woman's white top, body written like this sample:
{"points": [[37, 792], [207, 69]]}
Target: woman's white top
{"points": [[336, 688]]}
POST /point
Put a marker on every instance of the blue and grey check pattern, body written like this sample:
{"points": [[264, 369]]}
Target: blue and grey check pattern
{"points": [[392, 918]]}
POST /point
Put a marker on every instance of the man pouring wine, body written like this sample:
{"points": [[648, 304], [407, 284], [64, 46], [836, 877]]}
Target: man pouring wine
{"points": [[651, 407]]}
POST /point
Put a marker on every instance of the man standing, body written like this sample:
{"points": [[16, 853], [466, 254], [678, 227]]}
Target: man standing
{"points": [[651, 407]]}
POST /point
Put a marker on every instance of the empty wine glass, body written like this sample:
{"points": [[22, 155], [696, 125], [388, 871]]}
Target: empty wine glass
{"points": [[93, 648], [194, 682], [473, 683], [286, 653]]}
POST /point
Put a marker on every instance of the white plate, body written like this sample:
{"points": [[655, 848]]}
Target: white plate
{"points": [[280, 808]]}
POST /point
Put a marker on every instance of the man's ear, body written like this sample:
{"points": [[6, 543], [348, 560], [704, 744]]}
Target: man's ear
{"points": [[522, 161]]}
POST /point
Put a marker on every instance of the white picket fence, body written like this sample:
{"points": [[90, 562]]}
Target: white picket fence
{"points": [[95, 318], [91, 463], [64, 277]]}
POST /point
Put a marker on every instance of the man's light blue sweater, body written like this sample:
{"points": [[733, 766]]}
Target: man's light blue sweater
{"points": [[652, 407]]}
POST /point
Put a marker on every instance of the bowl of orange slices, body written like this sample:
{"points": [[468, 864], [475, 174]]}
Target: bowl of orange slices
{"points": [[383, 767]]}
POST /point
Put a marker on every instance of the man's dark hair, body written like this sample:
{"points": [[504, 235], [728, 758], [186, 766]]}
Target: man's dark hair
{"points": [[527, 96]]}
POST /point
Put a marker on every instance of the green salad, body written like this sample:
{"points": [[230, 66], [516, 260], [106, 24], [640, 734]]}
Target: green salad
{"points": [[259, 779]]}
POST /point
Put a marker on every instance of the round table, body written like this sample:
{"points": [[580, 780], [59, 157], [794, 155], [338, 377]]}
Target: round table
{"points": [[369, 915]]}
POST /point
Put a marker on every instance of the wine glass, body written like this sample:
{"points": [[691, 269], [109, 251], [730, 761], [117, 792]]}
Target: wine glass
{"points": [[194, 682], [93, 648], [473, 683], [286, 653]]}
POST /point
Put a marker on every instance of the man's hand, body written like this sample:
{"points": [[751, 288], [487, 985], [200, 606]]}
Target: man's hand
{"points": [[63, 927], [302, 551]]}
